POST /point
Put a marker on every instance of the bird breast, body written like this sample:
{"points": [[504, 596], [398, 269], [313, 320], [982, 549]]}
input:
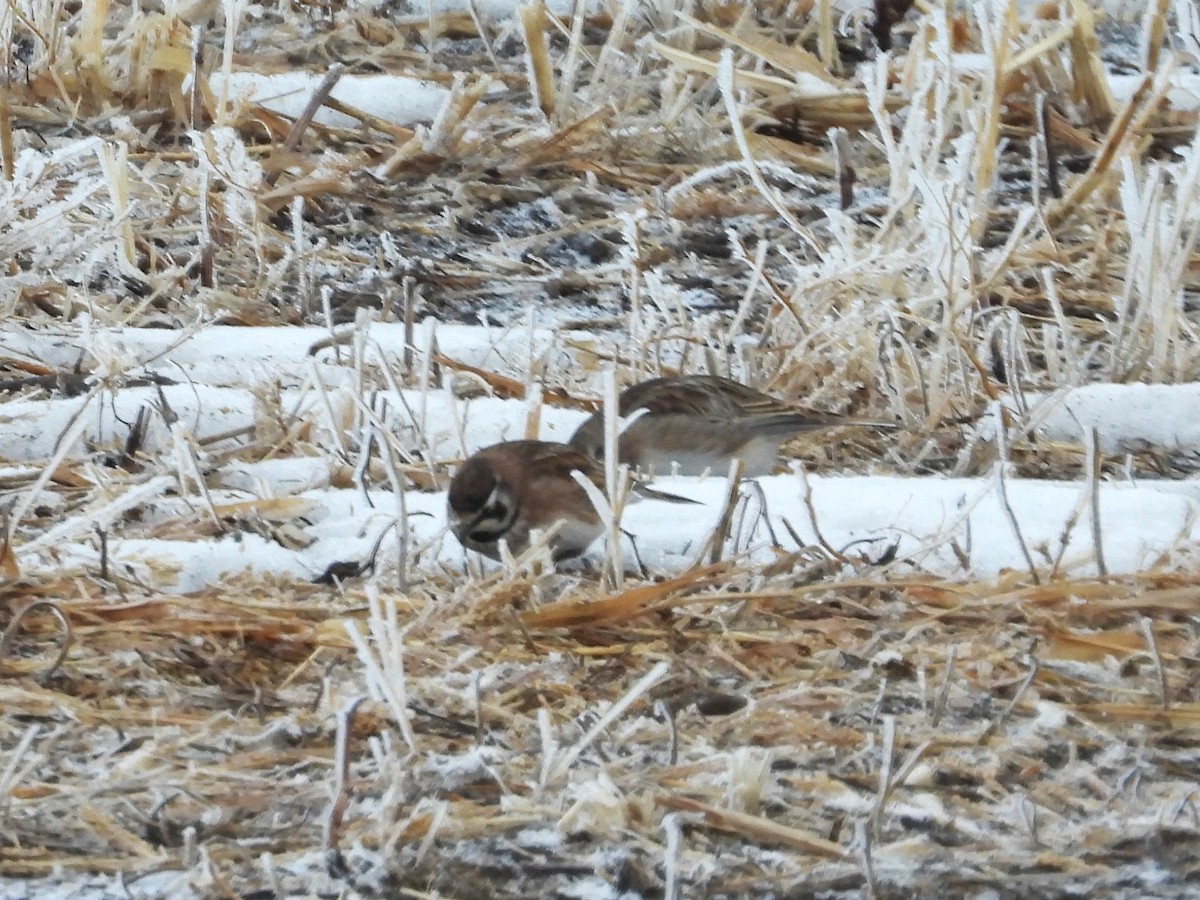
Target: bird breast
{"points": [[699, 450]]}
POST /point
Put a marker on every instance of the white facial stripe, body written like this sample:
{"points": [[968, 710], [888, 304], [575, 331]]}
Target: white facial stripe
{"points": [[496, 517]]}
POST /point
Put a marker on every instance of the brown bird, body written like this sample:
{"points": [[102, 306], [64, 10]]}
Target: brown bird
{"points": [[701, 423], [509, 489]]}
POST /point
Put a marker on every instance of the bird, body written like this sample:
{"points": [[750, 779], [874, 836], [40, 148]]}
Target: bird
{"points": [[509, 489], [692, 424]]}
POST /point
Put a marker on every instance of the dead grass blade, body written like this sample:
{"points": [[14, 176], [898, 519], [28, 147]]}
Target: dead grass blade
{"points": [[580, 612], [754, 829]]}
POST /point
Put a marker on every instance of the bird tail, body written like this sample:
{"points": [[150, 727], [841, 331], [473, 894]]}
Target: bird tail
{"points": [[655, 494]]}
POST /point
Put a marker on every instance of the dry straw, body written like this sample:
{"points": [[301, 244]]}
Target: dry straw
{"points": [[828, 722]]}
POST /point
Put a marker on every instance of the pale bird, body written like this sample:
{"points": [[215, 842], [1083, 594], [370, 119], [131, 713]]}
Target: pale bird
{"points": [[701, 423]]}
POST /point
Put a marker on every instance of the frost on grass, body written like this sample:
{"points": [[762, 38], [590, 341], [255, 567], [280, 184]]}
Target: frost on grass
{"points": [[243, 350], [57, 214]]}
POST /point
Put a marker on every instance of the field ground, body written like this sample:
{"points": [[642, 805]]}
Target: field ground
{"points": [[243, 344]]}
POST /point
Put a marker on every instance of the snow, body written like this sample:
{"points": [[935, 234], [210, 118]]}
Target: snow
{"points": [[393, 98], [957, 527], [404, 100], [229, 356], [1127, 417], [1183, 91], [922, 517], [32, 428], [213, 389]]}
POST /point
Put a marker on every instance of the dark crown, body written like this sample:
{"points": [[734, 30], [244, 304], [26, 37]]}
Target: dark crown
{"points": [[472, 486]]}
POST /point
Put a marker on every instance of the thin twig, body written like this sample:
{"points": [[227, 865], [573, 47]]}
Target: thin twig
{"points": [[886, 761], [862, 848], [339, 798], [1053, 183], [996, 723], [1147, 628], [1093, 479], [1002, 495], [674, 832], [563, 761], [720, 532], [197, 106], [64, 644], [939, 705], [315, 102], [810, 508]]}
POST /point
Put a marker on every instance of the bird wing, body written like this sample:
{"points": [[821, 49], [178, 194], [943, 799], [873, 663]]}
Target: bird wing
{"points": [[557, 461]]}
